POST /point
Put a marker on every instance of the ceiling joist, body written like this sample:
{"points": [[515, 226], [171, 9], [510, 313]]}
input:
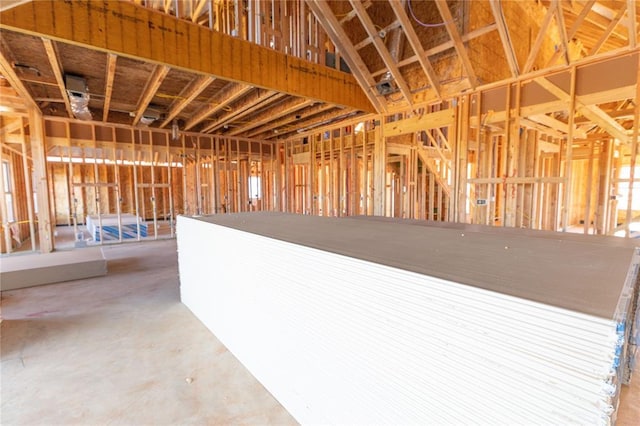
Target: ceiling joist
{"points": [[251, 104], [154, 82], [52, 55], [607, 32], [6, 69], [187, 96], [288, 107], [108, 88], [230, 94], [164, 39]]}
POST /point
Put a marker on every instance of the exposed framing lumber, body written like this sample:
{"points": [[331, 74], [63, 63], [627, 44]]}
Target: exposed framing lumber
{"points": [[457, 41], [434, 120], [568, 161], [108, 88], [231, 93], [150, 89], [309, 112], [632, 24], [253, 103], [289, 106], [52, 55], [370, 28], [339, 38], [564, 40], [574, 28], [593, 112], [187, 95], [607, 32], [181, 44], [6, 69], [533, 53], [416, 45], [442, 47], [512, 60], [556, 125]]}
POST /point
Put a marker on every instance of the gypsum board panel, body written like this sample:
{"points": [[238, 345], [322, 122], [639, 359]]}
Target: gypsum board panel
{"points": [[530, 268], [606, 240], [245, 245]]}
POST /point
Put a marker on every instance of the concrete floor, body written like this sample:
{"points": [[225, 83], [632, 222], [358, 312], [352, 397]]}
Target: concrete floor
{"points": [[122, 349]]}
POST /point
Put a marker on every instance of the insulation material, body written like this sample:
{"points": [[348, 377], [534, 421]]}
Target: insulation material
{"points": [[349, 321]]}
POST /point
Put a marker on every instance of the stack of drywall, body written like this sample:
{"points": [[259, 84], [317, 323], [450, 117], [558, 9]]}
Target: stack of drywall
{"points": [[355, 321]]}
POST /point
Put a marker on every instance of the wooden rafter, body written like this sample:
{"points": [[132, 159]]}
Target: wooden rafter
{"points": [[232, 93], [330, 23], [562, 30], [188, 94], [416, 45], [312, 123], [592, 112], [533, 52], [632, 24], [607, 32], [288, 107], [444, 46], [150, 89], [450, 25], [251, 104], [6, 69], [370, 28], [498, 15], [108, 88], [574, 28], [57, 72]]}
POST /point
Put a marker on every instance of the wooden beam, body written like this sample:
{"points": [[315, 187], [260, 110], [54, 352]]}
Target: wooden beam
{"points": [[419, 123], [108, 87], [533, 52], [6, 69], [556, 125], [288, 107], [57, 72], [150, 89], [512, 60], [251, 104], [164, 39], [370, 28], [592, 112], [40, 179], [632, 24], [284, 121], [574, 28], [188, 94], [416, 45], [562, 30], [339, 38], [607, 32], [457, 41], [229, 94]]}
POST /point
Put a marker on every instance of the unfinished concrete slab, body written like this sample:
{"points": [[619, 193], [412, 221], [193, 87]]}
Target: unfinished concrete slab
{"points": [[40, 269], [121, 349]]}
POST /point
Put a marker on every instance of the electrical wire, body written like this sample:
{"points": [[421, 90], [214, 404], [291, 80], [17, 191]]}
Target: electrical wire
{"points": [[441, 24]]}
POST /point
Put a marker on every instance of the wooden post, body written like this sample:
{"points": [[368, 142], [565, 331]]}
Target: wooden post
{"points": [[38, 155], [568, 161], [634, 157], [29, 188], [379, 169]]}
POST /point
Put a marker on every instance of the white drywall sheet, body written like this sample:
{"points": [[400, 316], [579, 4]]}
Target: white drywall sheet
{"points": [[339, 338]]}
